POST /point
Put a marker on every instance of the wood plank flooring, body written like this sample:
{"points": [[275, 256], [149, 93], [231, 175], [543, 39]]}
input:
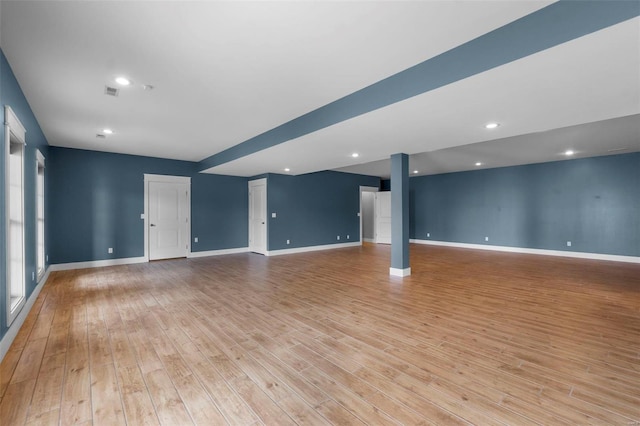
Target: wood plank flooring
{"points": [[329, 337]]}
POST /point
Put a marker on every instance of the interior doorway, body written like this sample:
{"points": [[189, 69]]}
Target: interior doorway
{"points": [[167, 216], [258, 216], [367, 213]]}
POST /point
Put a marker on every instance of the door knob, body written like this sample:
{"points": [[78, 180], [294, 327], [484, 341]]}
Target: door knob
{"points": [[152, 224]]}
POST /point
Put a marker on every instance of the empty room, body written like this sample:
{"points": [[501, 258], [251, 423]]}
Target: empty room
{"points": [[320, 212]]}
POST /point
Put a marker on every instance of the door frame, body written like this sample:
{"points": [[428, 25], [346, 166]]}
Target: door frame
{"points": [[145, 216], [250, 184], [365, 189]]}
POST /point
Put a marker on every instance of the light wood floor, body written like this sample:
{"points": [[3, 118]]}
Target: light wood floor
{"points": [[328, 337]]}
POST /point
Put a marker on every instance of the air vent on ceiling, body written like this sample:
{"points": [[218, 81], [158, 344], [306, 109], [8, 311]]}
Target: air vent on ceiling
{"points": [[111, 91], [101, 136]]}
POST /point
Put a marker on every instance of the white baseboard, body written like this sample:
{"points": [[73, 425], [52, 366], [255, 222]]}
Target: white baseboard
{"points": [[544, 252], [397, 272], [312, 248], [97, 263], [13, 330], [369, 240], [218, 252]]}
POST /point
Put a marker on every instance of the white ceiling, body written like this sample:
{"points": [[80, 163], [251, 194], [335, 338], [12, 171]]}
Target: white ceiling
{"points": [[225, 72]]}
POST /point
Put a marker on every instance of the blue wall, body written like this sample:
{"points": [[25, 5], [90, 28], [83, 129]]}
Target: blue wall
{"points": [[11, 94], [99, 198], [315, 208], [592, 202]]}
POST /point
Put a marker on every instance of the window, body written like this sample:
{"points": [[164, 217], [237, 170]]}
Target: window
{"points": [[14, 193], [40, 259]]}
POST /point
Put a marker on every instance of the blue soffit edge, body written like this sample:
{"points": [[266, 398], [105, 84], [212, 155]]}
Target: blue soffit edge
{"points": [[555, 24]]}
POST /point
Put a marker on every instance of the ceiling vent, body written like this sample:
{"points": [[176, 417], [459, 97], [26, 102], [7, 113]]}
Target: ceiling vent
{"points": [[111, 91], [101, 136]]}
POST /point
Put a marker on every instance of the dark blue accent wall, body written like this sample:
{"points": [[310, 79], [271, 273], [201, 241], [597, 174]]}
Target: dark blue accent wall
{"points": [[592, 202], [12, 95], [99, 198], [315, 208]]}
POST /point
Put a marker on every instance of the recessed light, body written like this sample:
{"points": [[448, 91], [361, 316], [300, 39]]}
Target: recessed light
{"points": [[569, 152], [107, 131], [415, 172], [287, 169], [478, 164], [355, 155], [491, 125], [123, 81]]}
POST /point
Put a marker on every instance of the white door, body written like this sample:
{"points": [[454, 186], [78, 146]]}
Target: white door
{"points": [[168, 220], [258, 216], [383, 217]]}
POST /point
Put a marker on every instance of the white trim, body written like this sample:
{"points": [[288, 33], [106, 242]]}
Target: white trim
{"points": [[168, 179], [369, 240], [221, 252], [13, 127], [13, 330], [97, 263], [364, 189], [13, 122], [311, 248], [397, 272], [544, 252]]}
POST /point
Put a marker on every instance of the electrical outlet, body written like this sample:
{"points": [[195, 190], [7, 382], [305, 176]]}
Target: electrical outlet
{"points": [[486, 238], [47, 257], [288, 242], [568, 243], [347, 236], [110, 250], [273, 214], [338, 237], [428, 234], [33, 276], [195, 240]]}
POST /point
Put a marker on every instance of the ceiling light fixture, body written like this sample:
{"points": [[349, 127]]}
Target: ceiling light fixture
{"points": [[491, 125], [287, 169], [569, 152], [123, 81], [415, 172], [107, 131], [355, 155], [478, 164]]}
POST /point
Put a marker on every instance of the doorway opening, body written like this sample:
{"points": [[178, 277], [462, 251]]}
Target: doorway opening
{"points": [[367, 213], [167, 216], [258, 216]]}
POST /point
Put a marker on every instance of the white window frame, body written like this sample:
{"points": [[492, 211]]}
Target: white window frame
{"points": [[14, 133], [41, 264]]}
